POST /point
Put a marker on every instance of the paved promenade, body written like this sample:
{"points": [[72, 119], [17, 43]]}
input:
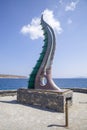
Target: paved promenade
{"points": [[14, 116]]}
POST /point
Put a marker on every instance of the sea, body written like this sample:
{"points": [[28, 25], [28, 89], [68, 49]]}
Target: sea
{"points": [[14, 84]]}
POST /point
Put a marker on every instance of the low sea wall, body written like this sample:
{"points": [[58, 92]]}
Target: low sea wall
{"points": [[8, 92], [80, 90]]}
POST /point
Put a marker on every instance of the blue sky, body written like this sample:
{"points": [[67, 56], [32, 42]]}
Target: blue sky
{"points": [[21, 38]]}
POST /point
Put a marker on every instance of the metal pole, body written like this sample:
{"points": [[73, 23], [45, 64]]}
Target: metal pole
{"points": [[66, 113]]}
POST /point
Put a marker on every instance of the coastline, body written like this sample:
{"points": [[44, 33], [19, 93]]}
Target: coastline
{"points": [[6, 76]]}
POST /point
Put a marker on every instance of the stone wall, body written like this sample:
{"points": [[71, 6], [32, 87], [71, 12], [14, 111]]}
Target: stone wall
{"points": [[80, 90], [8, 92], [44, 99]]}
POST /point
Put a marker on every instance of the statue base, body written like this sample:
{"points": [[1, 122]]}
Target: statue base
{"points": [[45, 99]]}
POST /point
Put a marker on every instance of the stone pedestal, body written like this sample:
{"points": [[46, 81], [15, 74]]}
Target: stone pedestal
{"points": [[49, 99]]}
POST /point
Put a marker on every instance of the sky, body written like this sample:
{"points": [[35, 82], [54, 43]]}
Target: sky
{"points": [[21, 37]]}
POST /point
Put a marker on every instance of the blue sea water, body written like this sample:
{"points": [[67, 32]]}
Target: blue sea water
{"points": [[10, 84]]}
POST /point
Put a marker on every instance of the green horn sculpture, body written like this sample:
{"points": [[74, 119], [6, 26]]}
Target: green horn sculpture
{"points": [[40, 77]]}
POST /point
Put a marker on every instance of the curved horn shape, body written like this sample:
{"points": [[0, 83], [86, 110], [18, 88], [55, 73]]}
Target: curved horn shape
{"points": [[41, 77]]}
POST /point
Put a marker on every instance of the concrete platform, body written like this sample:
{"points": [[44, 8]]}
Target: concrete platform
{"points": [[14, 116]]}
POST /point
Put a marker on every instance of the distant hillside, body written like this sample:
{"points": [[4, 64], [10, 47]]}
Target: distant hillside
{"points": [[11, 76]]}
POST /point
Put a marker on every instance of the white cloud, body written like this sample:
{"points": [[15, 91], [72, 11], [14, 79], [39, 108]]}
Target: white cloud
{"points": [[69, 21], [71, 6], [34, 29]]}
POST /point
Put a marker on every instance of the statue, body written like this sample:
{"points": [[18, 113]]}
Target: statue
{"points": [[40, 77], [42, 91]]}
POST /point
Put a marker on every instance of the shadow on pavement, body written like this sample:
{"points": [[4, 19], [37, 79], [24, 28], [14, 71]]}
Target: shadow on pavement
{"points": [[11, 102], [56, 125]]}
